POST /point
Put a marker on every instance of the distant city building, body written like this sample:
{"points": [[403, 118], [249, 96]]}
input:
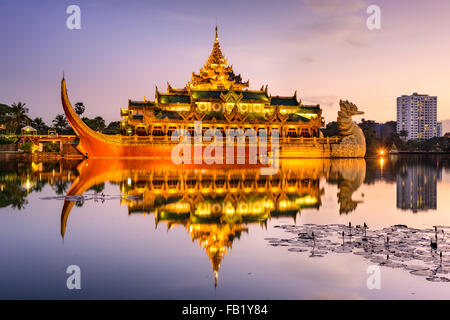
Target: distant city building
{"points": [[417, 115], [417, 187], [439, 129], [382, 130], [387, 129]]}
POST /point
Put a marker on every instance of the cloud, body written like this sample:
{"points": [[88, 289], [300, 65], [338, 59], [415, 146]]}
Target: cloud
{"points": [[348, 28], [335, 25], [354, 41], [309, 60], [187, 18], [325, 101], [335, 6]]}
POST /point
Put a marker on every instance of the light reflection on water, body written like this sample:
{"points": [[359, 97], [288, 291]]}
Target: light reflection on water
{"points": [[146, 229]]}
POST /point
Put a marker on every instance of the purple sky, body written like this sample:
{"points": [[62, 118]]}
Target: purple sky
{"points": [[321, 48]]}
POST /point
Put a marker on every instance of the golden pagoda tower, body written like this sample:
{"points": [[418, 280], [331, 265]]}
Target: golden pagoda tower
{"points": [[216, 74]]}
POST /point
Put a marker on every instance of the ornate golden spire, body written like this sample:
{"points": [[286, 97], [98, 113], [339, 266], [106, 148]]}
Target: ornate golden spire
{"points": [[216, 59], [215, 239], [215, 73]]}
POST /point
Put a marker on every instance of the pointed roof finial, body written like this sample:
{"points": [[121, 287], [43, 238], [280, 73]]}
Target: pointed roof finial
{"points": [[217, 33], [216, 277]]}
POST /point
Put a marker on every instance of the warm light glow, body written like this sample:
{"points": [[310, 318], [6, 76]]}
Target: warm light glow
{"points": [[307, 200], [283, 204], [34, 166]]}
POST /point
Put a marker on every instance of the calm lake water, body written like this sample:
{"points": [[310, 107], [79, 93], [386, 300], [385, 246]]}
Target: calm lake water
{"points": [[150, 230]]}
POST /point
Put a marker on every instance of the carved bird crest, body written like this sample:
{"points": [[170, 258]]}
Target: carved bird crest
{"points": [[345, 123]]}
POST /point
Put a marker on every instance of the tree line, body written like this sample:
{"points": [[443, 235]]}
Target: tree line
{"points": [[376, 142], [13, 118]]}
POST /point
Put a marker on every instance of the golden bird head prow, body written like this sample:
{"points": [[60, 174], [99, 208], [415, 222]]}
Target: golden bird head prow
{"points": [[345, 123]]}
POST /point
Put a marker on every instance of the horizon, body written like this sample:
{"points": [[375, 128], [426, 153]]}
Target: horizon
{"points": [[321, 49], [199, 151]]}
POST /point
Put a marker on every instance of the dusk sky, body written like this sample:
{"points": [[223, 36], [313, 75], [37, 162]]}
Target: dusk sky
{"points": [[321, 48]]}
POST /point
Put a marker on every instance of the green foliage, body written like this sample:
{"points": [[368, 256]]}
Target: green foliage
{"points": [[27, 146], [68, 131], [98, 187], [12, 176], [79, 108], [4, 109], [394, 139], [40, 125], [60, 123], [373, 144], [112, 128], [403, 133], [51, 147], [7, 139], [434, 144], [60, 187], [96, 124], [13, 195], [14, 117], [330, 130]]}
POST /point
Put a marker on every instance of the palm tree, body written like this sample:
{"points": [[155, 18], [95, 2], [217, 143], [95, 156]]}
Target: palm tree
{"points": [[403, 134], [18, 115], [40, 125], [79, 108], [4, 110], [99, 123], [60, 187], [60, 122], [10, 126], [96, 124]]}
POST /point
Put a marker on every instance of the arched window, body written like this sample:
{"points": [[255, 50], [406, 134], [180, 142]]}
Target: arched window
{"points": [[305, 133], [157, 131], [292, 132]]}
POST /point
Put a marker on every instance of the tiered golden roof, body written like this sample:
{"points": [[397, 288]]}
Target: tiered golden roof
{"points": [[216, 73], [222, 101], [215, 239]]}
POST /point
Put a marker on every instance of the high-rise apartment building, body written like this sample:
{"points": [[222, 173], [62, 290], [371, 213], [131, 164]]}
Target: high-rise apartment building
{"points": [[417, 115]]}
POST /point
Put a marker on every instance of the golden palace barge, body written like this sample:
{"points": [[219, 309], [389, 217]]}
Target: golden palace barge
{"points": [[219, 98]]}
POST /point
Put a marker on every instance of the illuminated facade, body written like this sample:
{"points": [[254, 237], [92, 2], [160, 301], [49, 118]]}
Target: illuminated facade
{"points": [[221, 100], [417, 115]]}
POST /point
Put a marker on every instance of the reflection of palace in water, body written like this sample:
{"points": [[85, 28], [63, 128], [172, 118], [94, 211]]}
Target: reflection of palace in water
{"points": [[417, 187], [221, 194], [217, 204]]}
